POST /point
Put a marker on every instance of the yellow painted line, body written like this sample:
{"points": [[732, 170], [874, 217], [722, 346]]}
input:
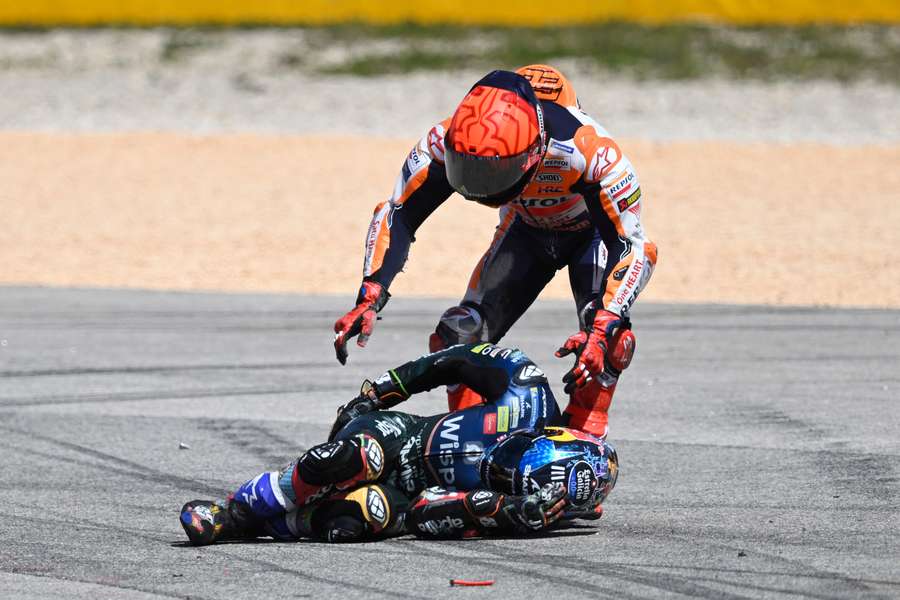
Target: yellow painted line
{"points": [[527, 12]]}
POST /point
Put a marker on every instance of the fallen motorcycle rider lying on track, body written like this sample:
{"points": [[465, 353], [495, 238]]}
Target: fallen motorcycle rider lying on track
{"points": [[499, 467]]}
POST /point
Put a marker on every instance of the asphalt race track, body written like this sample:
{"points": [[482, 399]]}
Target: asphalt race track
{"points": [[759, 446]]}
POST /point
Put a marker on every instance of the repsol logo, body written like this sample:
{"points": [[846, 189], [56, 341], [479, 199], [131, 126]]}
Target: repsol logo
{"points": [[556, 163], [622, 183], [448, 441]]}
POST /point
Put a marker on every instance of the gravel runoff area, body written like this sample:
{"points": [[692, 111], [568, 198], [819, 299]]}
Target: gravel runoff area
{"points": [[758, 448], [254, 80], [735, 223]]}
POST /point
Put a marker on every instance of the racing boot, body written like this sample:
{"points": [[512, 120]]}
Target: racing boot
{"points": [[460, 396], [588, 408], [206, 522]]}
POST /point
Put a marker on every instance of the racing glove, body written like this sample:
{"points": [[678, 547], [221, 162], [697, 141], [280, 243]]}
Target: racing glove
{"points": [[371, 298], [366, 402], [386, 392], [590, 347], [538, 510]]}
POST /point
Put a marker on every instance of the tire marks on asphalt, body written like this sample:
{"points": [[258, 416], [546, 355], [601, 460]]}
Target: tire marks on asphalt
{"points": [[150, 395], [162, 369], [225, 552], [110, 462]]}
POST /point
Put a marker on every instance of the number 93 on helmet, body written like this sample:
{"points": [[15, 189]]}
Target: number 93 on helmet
{"points": [[523, 462]]}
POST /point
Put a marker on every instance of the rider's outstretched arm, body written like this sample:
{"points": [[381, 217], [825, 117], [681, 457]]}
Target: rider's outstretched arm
{"points": [[612, 194], [421, 187], [478, 366], [439, 513], [475, 365]]}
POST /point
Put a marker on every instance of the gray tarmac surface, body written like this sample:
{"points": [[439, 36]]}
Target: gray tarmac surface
{"points": [[759, 451]]}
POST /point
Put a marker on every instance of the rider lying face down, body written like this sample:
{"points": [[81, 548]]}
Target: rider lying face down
{"points": [[500, 467]]}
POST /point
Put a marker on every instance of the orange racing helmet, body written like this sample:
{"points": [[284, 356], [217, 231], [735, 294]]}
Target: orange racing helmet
{"points": [[496, 139], [549, 84]]}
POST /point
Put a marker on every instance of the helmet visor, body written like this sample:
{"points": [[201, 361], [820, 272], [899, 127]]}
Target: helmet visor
{"points": [[501, 467], [484, 177]]}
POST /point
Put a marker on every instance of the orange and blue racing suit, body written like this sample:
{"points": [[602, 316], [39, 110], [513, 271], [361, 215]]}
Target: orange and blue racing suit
{"points": [[582, 210]]}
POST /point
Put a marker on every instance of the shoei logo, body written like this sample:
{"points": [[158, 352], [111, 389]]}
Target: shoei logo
{"points": [[376, 506], [549, 178]]}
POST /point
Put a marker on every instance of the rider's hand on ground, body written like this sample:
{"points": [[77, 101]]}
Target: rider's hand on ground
{"points": [[542, 508]]}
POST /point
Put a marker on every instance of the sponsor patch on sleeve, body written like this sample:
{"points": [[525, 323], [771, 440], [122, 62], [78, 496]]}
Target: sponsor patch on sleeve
{"points": [[630, 200], [490, 423], [502, 419]]}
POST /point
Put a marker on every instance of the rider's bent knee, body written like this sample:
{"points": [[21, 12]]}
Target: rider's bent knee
{"points": [[359, 458]]}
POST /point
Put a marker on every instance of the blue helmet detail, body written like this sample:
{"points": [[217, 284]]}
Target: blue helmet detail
{"points": [[522, 463]]}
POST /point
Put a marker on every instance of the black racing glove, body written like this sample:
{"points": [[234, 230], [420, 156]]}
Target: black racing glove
{"points": [[538, 510], [366, 402]]}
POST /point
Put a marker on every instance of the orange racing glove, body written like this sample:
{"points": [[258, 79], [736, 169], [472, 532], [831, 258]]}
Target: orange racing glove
{"points": [[361, 320], [590, 347]]}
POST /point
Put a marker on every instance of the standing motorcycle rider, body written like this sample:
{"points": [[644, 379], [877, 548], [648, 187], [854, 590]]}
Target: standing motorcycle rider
{"points": [[568, 197], [494, 467]]}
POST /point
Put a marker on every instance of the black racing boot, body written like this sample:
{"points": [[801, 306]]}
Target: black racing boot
{"points": [[207, 522]]}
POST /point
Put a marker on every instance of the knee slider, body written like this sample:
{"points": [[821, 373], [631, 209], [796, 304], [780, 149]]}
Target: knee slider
{"points": [[356, 515], [357, 458], [458, 325]]}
